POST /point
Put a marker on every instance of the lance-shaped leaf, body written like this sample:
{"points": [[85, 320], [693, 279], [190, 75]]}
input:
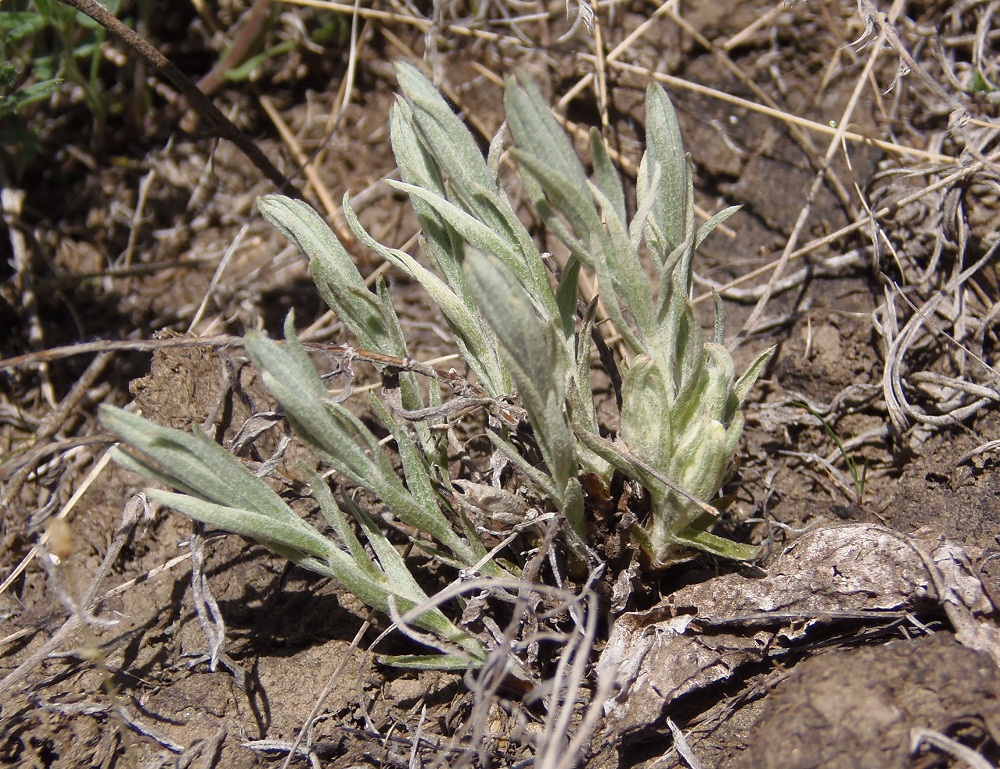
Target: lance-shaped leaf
{"points": [[559, 185], [537, 133], [606, 176], [455, 151], [335, 274], [591, 242], [419, 168], [370, 317], [485, 238], [536, 358], [628, 281], [665, 149], [647, 400], [388, 575], [420, 484], [474, 341], [193, 463], [708, 227], [284, 536], [742, 387], [342, 439], [440, 127], [232, 498]]}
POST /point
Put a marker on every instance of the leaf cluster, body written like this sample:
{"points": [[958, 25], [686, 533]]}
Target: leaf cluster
{"points": [[524, 333]]}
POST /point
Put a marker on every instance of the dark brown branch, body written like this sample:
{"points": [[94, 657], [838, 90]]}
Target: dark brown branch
{"points": [[198, 101]]}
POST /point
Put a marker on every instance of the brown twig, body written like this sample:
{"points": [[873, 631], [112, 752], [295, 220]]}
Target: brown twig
{"points": [[198, 100], [451, 378], [249, 31], [151, 345]]}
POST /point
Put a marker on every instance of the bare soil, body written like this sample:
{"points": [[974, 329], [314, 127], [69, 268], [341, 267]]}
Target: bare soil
{"points": [[127, 234]]}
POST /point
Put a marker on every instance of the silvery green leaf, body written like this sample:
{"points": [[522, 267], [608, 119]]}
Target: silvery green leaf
{"points": [[415, 469], [604, 244], [194, 463], [672, 511], [478, 234], [376, 594], [471, 229], [720, 546], [647, 402], [136, 464], [745, 382], [580, 406], [690, 352], [568, 294], [674, 272], [520, 330], [717, 393], [475, 343], [674, 262], [333, 432], [579, 394], [734, 431], [534, 355], [629, 283], [419, 485], [337, 278], [647, 190], [389, 559], [541, 481], [441, 128], [509, 227], [338, 522], [578, 252], [605, 176], [594, 248], [707, 228], [720, 319], [642, 221], [702, 461], [573, 506], [616, 454], [495, 154], [575, 203], [326, 426], [417, 167], [374, 583], [457, 154], [408, 594], [536, 131], [554, 170], [665, 147], [290, 533], [441, 662], [409, 389]]}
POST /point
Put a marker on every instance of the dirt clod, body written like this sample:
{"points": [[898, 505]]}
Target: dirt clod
{"points": [[857, 708]]}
